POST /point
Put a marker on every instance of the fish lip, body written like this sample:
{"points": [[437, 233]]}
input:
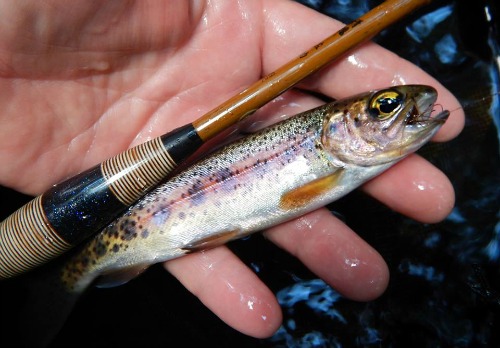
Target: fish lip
{"points": [[441, 117], [421, 113], [421, 123]]}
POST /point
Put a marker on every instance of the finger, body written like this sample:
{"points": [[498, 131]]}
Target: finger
{"points": [[415, 188], [335, 253], [367, 67], [230, 290]]}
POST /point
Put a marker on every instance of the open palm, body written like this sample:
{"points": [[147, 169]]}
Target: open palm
{"points": [[83, 81]]}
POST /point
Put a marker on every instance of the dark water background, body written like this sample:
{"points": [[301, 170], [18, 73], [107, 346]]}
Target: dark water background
{"points": [[445, 278]]}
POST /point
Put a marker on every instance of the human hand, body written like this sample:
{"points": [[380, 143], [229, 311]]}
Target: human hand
{"points": [[83, 82]]}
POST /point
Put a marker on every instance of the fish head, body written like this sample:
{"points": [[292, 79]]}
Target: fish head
{"points": [[381, 126]]}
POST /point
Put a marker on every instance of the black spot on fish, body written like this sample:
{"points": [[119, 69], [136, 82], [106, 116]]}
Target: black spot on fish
{"points": [[163, 213], [85, 261], [115, 248], [128, 230], [100, 249], [223, 174], [196, 193]]}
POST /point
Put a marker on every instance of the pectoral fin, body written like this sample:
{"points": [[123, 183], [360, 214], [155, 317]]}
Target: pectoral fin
{"points": [[212, 241], [309, 192]]}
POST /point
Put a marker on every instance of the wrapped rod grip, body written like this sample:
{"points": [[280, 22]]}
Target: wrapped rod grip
{"points": [[83, 205]]}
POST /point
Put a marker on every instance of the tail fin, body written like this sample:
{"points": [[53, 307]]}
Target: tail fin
{"points": [[38, 307]]}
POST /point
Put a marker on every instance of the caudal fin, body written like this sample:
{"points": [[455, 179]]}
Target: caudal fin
{"points": [[37, 307]]}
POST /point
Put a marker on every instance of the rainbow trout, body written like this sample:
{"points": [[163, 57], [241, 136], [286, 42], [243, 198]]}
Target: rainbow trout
{"points": [[264, 179]]}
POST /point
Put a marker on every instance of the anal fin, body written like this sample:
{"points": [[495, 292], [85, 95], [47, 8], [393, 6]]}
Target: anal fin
{"points": [[212, 241], [119, 277], [309, 192]]}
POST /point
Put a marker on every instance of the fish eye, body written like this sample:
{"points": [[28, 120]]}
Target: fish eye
{"points": [[385, 103]]}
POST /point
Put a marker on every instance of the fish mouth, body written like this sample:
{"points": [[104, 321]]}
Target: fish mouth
{"points": [[416, 117], [421, 126], [420, 113]]}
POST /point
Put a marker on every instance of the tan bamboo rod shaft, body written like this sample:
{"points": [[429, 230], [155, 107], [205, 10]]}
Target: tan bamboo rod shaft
{"points": [[277, 82]]}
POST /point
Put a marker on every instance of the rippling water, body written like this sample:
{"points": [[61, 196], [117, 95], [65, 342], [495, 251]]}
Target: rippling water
{"points": [[445, 278]]}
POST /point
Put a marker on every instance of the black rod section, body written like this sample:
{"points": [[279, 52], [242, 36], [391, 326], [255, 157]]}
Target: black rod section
{"points": [[81, 206]]}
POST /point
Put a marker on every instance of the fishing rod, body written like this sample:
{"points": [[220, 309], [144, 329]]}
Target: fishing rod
{"points": [[79, 207]]}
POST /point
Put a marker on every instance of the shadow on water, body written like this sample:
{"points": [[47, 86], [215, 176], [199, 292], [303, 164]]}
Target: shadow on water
{"points": [[445, 277]]}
